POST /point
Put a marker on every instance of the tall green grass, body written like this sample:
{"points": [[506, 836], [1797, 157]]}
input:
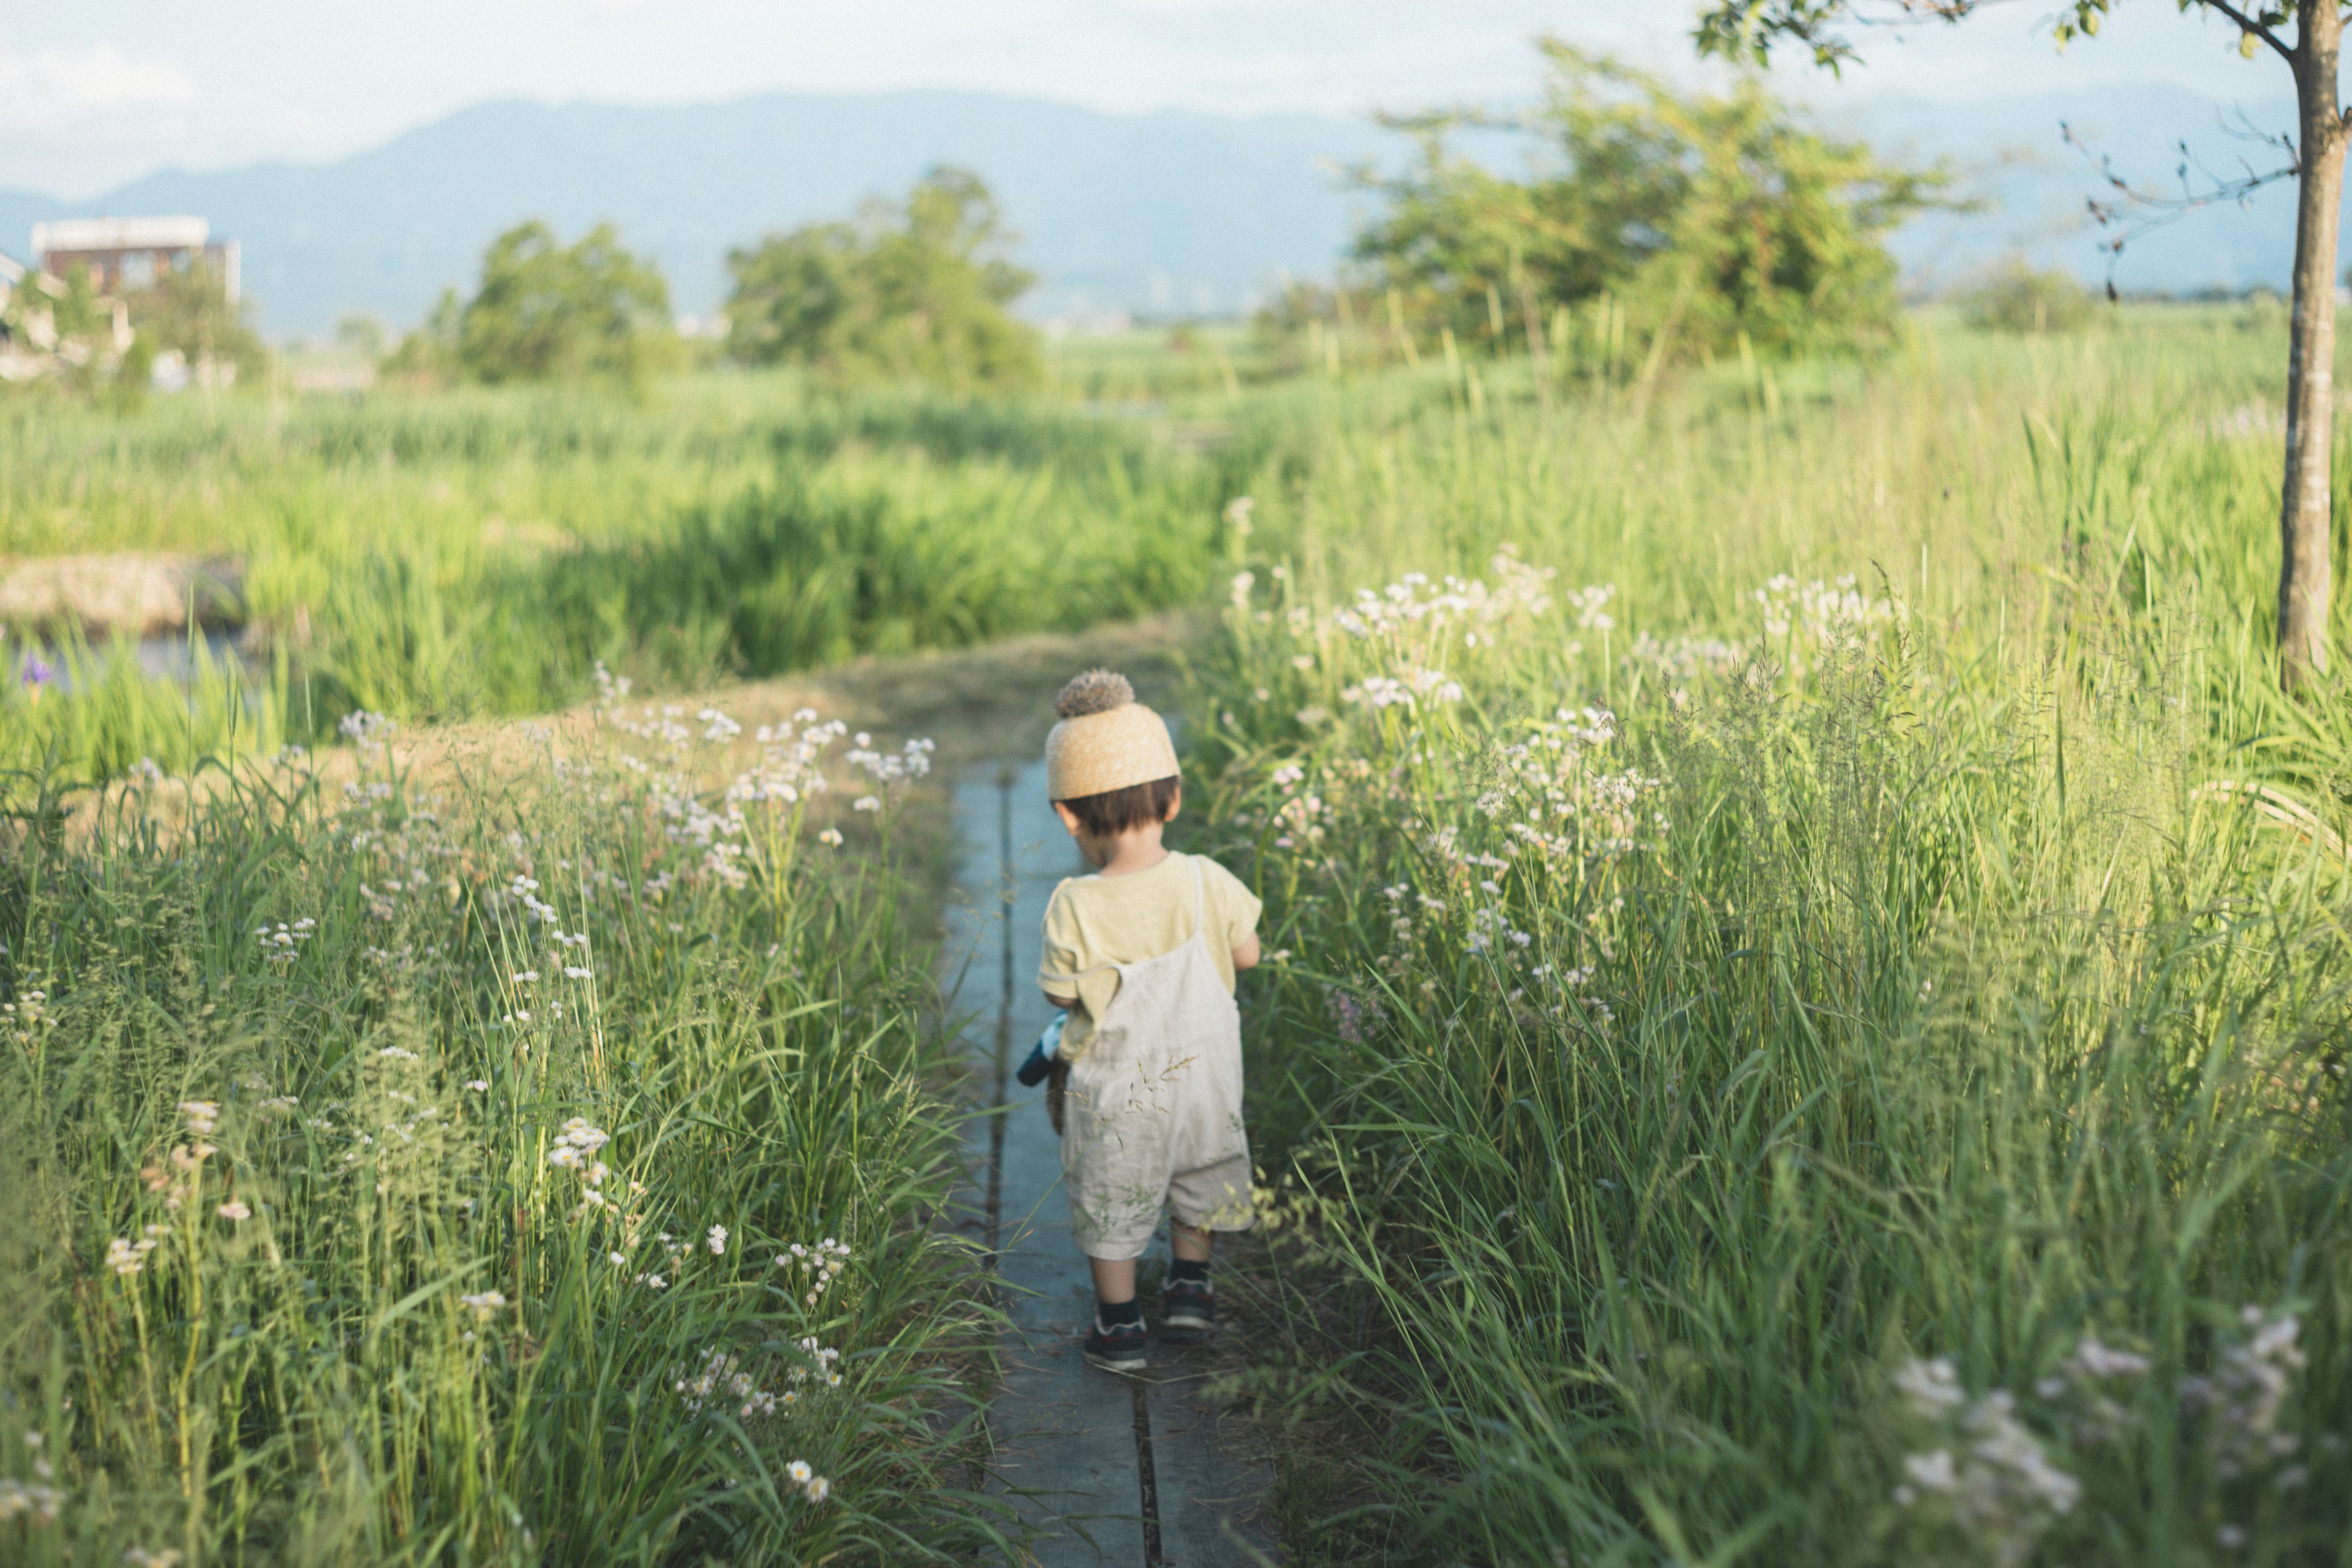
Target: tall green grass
{"points": [[479, 552], [449, 1174], [1760, 1050]]}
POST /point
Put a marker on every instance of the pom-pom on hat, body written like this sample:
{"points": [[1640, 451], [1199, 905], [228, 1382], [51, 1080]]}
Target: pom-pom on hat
{"points": [[1105, 741]]}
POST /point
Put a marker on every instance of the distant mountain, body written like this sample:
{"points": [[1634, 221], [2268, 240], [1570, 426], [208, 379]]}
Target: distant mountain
{"points": [[1169, 213], [1172, 213]]}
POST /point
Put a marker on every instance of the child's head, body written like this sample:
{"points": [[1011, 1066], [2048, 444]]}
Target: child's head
{"points": [[1110, 766]]}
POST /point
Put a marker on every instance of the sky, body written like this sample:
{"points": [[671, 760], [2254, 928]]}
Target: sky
{"points": [[91, 95]]}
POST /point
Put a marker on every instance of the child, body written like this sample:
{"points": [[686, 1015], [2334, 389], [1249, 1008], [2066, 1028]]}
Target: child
{"points": [[1142, 954]]}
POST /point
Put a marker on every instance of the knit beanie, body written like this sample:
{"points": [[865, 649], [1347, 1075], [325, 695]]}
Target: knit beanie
{"points": [[1105, 741]]}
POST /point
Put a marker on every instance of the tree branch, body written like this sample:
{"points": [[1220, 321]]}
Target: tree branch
{"points": [[2134, 211], [2248, 24]]}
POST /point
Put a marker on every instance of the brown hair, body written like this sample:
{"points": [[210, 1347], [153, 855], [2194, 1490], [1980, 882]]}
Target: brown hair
{"points": [[1119, 810]]}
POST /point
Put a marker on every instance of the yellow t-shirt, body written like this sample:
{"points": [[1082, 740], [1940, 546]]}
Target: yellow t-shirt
{"points": [[1125, 920]]}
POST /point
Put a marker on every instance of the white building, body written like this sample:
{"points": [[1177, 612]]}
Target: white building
{"points": [[120, 253]]}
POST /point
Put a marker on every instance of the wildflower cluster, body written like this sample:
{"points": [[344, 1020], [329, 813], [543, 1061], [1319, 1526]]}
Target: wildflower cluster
{"points": [[36, 1502], [127, 1256], [407, 856], [1681, 661], [816, 1488], [822, 1364], [722, 1378], [371, 732], [1553, 799], [178, 1176], [1411, 605], [2242, 1400], [787, 773], [817, 1266], [1991, 1471], [27, 1017], [280, 945], [1828, 616], [575, 1150], [2003, 1489]]}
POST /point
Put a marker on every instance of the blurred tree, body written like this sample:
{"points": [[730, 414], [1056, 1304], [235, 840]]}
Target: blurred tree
{"points": [[2309, 38], [2012, 297], [362, 333], [187, 311], [549, 312], [915, 290], [428, 357], [1704, 217], [80, 339]]}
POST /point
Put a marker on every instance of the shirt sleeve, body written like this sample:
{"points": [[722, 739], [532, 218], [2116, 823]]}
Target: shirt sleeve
{"points": [[1058, 954], [1237, 904]]}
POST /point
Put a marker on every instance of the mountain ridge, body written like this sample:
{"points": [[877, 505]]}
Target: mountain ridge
{"points": [[1169, 213]]}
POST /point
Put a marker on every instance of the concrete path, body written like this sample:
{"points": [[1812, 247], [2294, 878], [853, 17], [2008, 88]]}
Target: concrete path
{"points": [[1111, 1469]]}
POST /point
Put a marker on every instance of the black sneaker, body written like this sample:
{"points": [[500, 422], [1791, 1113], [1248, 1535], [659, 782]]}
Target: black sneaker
{"points": [[1118, 1347], [1188, 1304]]}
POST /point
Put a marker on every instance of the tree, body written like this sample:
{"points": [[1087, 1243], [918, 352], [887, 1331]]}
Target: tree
{"points": [[74, 335], [361, 332], [548, 312], [917, 289], [187, 310], [1747, 29], [1706, 217]]}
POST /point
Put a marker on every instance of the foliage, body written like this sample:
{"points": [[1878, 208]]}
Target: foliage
{"points": [[361, 332], [917, 290], [547, 311], [427, 356], [1709, 217], [72, 331], [187, 311], [2012, 297], [413, 1179], [1747, 29]]}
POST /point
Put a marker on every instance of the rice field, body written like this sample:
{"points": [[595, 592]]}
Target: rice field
{"points": [[1803, 1019]]}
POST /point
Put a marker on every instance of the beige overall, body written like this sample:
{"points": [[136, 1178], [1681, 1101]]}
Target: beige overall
{"points": [[1154, 1106]]}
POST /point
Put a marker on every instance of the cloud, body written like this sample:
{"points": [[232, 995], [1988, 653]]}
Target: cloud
{"points": [[49, 90]]}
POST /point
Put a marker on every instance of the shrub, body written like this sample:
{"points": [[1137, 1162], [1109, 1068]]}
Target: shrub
{"points": [[2017, 298]]}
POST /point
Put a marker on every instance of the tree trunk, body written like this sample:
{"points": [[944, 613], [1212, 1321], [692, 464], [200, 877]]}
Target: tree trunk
{"points": [[2305, 508]]}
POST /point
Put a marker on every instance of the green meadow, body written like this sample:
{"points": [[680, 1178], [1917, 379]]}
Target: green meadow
{"points": [[1805, 1021]]}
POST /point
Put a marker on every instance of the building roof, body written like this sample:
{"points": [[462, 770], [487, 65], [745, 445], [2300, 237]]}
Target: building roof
{"points": [[119, 234]]}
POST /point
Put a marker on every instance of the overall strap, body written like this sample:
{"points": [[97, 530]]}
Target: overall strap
{"points": [[1200, 898]]}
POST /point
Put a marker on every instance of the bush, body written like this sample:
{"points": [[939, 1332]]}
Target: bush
{"points": [[2016, 298]]}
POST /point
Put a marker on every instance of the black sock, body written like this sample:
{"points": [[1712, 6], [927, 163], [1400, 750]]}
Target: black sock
{"points": [[1185, 1269], [1114, 1313]]}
